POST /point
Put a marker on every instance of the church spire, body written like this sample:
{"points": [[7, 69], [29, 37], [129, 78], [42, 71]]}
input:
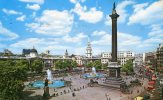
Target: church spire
{"points": [[89, 50], [66, 53]]}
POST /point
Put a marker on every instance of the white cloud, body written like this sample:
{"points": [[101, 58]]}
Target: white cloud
{"points": [[33, 7], [98, 33], [73, 1], [153, 40], [11, 12], [76, 1], [90, 16], [21, 18], [82, 1], [104, 40], [125, 39], [157, 31], [33, 1], [7, 34], [79, 50], [121, 10], [53, 22], [126, 42], [40, 44], [147, 14], [78, 38], [139, 7], [155, 36]]}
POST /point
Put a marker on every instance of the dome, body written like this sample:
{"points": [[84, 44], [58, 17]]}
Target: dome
{"points": [[33, 50]]}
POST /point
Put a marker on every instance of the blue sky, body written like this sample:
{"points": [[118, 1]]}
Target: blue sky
{"points": [[57, 25]]}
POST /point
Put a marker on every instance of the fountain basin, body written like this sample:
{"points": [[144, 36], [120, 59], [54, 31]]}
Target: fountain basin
{"points": [[53, 84], [90, 75]]}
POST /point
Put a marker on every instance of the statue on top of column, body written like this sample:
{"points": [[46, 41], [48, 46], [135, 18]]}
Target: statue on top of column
{"points": [[114, 6]]}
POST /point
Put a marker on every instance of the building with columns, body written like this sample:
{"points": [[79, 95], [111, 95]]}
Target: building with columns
{"points": [[105, 57], [122, 57], [79, 60]]}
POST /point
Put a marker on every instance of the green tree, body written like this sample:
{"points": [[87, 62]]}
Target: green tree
{"points": [[11, 80], [23, 63], [97, 64], [65, 64], [59, 64], [37, 65], [73, 64], [128, 67], [89, 64], [104, 66]]}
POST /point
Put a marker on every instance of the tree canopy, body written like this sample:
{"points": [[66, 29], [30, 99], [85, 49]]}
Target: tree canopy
{"points": [[128, 67], [12, 76], [37, 65], [97, 64], [65, 64]]}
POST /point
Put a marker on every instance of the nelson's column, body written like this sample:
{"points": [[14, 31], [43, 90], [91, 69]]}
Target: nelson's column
{"points": [[114, 17], [114, 79]]}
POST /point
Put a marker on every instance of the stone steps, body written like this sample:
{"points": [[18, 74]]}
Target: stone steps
{"points": [[110, 85]]}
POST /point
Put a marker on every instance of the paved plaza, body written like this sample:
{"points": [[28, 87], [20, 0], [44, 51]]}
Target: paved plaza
{"points": [[84, 92]]}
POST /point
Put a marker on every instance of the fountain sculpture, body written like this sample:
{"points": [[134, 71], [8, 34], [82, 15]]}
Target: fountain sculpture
{"points": [[49, 82], [93, 74]]}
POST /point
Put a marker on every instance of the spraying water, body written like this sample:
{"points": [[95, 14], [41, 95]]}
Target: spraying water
{"points": [[49, 73], [94, 70]]}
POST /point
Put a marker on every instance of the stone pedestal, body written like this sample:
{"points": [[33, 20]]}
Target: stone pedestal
{"points": [[114, 79], [114, 69]]}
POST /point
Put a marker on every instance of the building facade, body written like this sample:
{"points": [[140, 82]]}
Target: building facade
{"points": [[149, 58], [79, 60], [159, 57], [123, 56], [138, 59], [105, 57], [30, 53]]}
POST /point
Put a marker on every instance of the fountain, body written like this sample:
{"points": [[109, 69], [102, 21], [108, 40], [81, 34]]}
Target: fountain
{"points": [[93, 74], [49, 74], [51, 83], [93, 70]]}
